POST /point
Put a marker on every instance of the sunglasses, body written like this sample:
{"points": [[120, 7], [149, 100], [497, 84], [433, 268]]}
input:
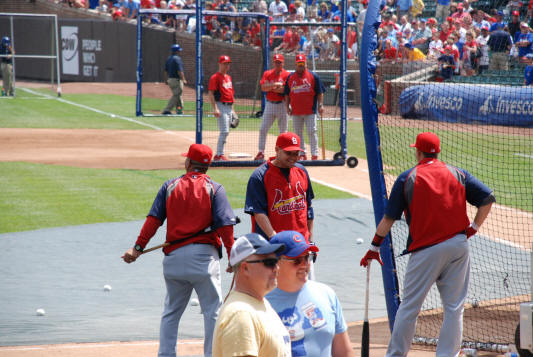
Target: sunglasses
{"points": [[306, 258], [268, 262]]}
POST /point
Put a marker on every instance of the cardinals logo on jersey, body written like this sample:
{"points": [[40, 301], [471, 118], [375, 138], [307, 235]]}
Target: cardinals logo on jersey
{"points": [[288, 205]]}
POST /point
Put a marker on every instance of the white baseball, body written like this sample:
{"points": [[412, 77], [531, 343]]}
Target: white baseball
{"points": [[107, 287], [113, 115], [195, 302], [40, 312], [360, 240]]}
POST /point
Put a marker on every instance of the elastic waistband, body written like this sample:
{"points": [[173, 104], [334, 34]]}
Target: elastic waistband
{"points": [[226, 103], [273, 102]]}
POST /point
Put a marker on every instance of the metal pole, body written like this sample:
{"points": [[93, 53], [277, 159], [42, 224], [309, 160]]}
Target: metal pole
{"points": [[56, 34], [199, 72], [138, 111]]}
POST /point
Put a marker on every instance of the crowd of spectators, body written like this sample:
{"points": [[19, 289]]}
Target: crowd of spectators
{"points": [[461, 39], [476, 40]]}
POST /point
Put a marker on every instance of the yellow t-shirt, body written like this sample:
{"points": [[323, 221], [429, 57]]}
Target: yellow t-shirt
{"points": [[249, 327], [417, 55]]}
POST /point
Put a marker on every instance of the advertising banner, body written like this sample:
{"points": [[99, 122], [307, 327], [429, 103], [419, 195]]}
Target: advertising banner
{"points": [[69, 50], [464, 103]]}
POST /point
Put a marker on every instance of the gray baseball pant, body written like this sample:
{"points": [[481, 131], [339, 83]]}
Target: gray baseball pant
{"points": [[176, 86], [448, 265], [194, 266], [272, 111], [298, 122], [223, 122]]}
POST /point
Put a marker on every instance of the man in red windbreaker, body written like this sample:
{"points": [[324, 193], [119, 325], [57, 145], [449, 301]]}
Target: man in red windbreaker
{"points": [[273, 82], [199, 218], [304, 96]]}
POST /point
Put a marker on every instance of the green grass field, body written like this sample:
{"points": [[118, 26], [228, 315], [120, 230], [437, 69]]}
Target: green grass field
{"points": [[39, 196]]}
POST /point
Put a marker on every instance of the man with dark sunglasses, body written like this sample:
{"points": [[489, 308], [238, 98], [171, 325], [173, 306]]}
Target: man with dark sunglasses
{"points": [[310, 310], [247, 325]]}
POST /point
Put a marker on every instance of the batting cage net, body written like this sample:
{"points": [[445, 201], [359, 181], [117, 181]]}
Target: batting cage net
{"points": [[250, 41], [484, 118], [34, 57]]}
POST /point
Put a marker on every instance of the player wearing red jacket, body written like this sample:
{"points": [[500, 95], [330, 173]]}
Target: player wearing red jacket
{"points": [[279, 192], [304, 95], [199, 218], [433, 196], [272, 83], [221, 97]]}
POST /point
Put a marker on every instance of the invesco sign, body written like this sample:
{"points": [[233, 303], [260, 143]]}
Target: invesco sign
{"points": [[69, 50]]}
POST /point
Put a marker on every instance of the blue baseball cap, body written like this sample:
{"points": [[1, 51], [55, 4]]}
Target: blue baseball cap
{"points": [[529, 56], [252, 243], [294, 242], [175, 48]]}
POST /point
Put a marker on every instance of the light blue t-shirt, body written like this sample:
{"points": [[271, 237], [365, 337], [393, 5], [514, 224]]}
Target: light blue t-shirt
{"points": [[313, 317]]}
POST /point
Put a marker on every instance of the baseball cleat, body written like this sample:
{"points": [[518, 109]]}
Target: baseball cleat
{"points": [[179, 111], [259, 156], [166, 112], [314, 157]]}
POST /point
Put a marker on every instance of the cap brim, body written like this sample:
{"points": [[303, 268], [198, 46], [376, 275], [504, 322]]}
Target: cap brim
{"points": [[292, 148], [271, 248], [300, 62], [184, 154], [311, 248], [412, 145]]}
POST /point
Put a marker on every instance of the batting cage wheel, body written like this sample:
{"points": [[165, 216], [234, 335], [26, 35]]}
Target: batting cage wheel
{"points": [[352, 162], [521, 352]]}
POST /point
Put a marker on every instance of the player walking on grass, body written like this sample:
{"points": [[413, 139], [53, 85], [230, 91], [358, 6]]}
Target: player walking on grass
{"points": [[304, 96], [199, 218], [433, 197], [279, 192], [221, 97], [7, 66], [273, 82], [175, 80]]}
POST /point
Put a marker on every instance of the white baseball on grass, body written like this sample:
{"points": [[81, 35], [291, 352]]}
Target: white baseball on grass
{"points": [[40, 312], [359, 240], [107, 287], [113, 115], [195, 302]]}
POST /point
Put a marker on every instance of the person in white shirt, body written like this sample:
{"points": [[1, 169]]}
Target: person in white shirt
{"points": [[278, 10]]}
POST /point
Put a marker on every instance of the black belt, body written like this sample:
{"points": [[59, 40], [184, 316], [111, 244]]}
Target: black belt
{"points": [[226, 103], [271, 101]]}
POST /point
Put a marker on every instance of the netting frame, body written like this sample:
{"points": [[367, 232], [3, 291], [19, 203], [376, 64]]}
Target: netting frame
{"points": [[374, 139], [340, 157], [54, 39]]}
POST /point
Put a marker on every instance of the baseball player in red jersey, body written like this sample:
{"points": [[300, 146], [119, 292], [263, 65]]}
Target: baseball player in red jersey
{"points": [[199, 218], [221, 97], [279, 192], [433, 197], [304, 95], [272, 83]]}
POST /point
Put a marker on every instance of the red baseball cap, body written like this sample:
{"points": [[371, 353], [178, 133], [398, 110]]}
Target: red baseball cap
{"points": [[516, 13], [199, 152], [300, 58], [427, 142], [224, 59], [288, 141], [279, 58], [460, 6]]}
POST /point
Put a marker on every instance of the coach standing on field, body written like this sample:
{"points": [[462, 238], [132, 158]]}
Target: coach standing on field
{"points": [[273, 82], [279, 192], [221, 97], [199, 218], [433, 196], [304, 95], [175, 80]]}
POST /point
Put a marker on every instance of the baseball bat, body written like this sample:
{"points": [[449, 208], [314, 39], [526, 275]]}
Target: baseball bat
{"points": [[365, 343], [323, 143], [155, 248]]}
